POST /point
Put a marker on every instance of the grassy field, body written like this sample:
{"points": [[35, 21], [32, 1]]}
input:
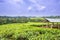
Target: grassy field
{"points": [[25, 31]]}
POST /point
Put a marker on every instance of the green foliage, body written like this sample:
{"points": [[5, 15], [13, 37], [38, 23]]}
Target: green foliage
{"points": [[25, 31], [6, 19]]}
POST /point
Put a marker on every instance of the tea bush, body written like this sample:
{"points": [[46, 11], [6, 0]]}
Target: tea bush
{"points": [[25, 31]]}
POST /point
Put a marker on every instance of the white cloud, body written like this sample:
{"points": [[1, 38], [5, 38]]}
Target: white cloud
{"points": [[42, 7], [30, 7], [37, 5], [34, 1], [18, 1], [15, 1]]}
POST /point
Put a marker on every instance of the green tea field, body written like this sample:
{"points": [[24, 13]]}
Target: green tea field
{"points": [[25, 31]]}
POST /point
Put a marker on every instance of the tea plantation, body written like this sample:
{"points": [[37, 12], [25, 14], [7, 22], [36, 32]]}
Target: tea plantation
{"points": [[25, 31]]}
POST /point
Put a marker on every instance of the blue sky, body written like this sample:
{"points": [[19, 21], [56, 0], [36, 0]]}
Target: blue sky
{"points": [[30, 7]]}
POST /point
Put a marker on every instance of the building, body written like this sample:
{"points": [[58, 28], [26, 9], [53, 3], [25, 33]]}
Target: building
{"points": [[53, 22]]}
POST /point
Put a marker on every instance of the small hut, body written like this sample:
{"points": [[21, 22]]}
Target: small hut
{"points": [[55, 22]]}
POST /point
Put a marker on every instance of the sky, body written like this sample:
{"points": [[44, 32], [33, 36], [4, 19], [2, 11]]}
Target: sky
{"points": [[29, 7]]}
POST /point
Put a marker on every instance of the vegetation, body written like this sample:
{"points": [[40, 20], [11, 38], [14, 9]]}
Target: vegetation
{"points": [[23, 19], [25, 31], [6, 19], [26, 28]]}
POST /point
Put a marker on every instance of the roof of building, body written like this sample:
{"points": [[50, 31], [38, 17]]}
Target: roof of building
{"points": [[53, 19]]}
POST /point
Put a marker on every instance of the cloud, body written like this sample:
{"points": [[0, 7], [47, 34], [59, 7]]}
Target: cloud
{"points": [[15, 1], [34, 1], [30, 8], [16, 4], [37, 6], [21, 1], [42, 8]]}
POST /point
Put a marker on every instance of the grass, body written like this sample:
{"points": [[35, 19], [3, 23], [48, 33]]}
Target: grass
{"points": [[25, 31]]}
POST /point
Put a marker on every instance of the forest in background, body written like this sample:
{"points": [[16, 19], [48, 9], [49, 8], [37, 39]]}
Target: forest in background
{"points": [[23, 19]]}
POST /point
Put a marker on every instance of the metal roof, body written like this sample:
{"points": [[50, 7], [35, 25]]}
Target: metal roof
{"points": [[53, 19]]}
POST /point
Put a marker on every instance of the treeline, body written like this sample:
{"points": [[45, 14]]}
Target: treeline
{"points": [[51, 17], [6, 20], [23, 19]]}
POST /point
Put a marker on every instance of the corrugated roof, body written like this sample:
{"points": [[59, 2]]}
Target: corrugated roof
{"points": [[53, 19]]}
